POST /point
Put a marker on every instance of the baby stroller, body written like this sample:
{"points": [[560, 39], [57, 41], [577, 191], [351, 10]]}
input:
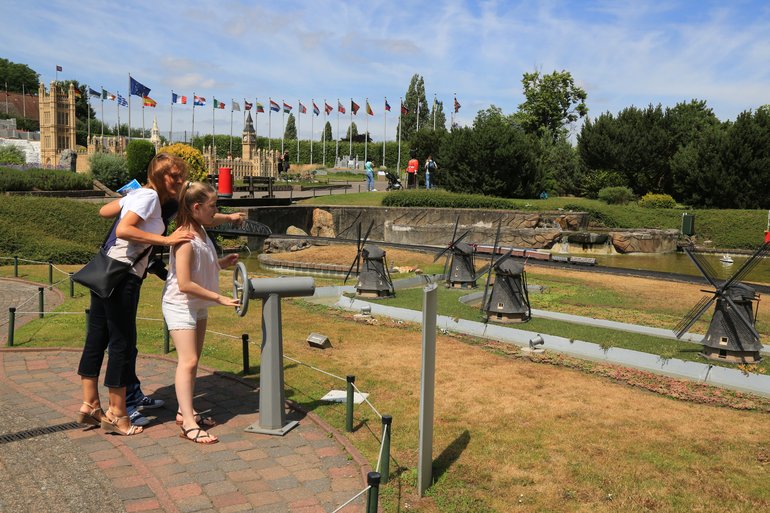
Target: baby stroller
{"points": [[394, 184]]}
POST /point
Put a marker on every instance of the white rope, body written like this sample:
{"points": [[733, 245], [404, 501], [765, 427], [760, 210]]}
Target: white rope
{"points": [[60, 270], [26, 301], [50, 313], [32, 261], [356, 496], [382, 446], [148, 319], [366, 400], [222, 334], [314, 368]]}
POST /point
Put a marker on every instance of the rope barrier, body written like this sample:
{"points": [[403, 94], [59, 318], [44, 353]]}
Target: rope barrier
{"points": [[367, 401], [49, 313], [356, 496], [223, 334], [314, 368], [382, 446]]}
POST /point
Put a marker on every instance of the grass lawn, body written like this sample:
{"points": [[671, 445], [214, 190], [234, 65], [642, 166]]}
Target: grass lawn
{"points": [[511, 433]]}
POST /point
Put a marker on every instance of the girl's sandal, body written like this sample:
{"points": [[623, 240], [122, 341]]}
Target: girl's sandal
{"points": [[199, 433], [93, 417], [199, 419], [111, 425]]}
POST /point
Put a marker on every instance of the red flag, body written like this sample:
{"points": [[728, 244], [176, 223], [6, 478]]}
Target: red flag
{"points": [[354, 107], [404, 110], [457, 105], [247, 105], [302, 108], [340, 108], [387, 105], [328, 108]]}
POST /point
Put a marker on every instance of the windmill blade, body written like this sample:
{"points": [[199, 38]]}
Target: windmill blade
{"points": [[354, 264], [454, 232], [737, 312], [491, 260], [483, 270], [693, 315], [703, 266], [366, 236], [446, 266], [441, 253], [749, 265], [505, 255], [452, 244]]}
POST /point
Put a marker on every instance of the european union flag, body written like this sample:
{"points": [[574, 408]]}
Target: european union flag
{"points": [[138, 89]]}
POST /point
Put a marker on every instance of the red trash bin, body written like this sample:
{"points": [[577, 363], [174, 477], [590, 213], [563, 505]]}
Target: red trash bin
{"points": [[225, 187]]}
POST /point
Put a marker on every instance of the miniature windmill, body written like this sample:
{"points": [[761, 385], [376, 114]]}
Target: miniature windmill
{"points": [[460, 263], [732, 335], [373, 276], [508, 301]]}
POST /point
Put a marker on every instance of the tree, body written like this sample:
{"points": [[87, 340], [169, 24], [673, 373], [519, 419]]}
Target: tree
{"points": [[196, 165], [437, 110], [352, 127], [291, 128], [552, 102], [139, 153], [414, 94], [18, 75], [326, 135]]}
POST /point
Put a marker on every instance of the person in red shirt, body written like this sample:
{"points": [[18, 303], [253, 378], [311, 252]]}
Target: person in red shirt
{"points": [[411, 173]]}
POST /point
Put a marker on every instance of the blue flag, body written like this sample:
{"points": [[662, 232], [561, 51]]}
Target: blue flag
{"points": [[91, 92], [138, 89], [122, 101]]}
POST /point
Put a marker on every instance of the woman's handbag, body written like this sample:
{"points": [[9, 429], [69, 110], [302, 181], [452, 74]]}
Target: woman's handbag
{"points": [[103, 273]]}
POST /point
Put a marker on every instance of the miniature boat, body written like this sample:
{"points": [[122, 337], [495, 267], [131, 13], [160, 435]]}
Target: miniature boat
{"points": [[726, 259]]}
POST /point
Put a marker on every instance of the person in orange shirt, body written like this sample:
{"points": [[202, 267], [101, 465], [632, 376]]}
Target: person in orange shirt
{"points": [[411, 172]]}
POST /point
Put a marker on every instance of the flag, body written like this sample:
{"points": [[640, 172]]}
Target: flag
{"points": [[302, 108], [218, 104], [328, 108], [387, 105], [58, 68], [149, 102], [236, 106], [404, 110], [106, 95], [77, 93], [91, 92], [260, 108], [274, 106], [369, 109], [340, 108], [122, 101], [247, 105], [199, 101], [286, 107], [175, 98], [457, 105], [138, 89], [354, 107], [316, 110]]}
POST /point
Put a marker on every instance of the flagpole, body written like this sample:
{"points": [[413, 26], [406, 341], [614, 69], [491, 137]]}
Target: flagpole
{"points": [[213, 145], [88, 110], [102, 89], [256, 117], [312, 126], [434, 112], [117, 101], [269, 122], [400, 109], [418, 114], [323, 134], [129, 106], [384, 129], [299, 123], [337, 146], [232, 101], [171, 128], [192, 131], [283, 123], [143, 132], [23, 101], [366, 133], [453, 112], [350, 130]]}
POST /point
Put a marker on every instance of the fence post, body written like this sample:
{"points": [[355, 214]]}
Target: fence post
{"points": [[11, 324], [41, 300], [245, 343], [373, 480], [88, 319], [349, 404], [50, 272], [72, 286], [387, 421], [15, 266], [165, 338]]}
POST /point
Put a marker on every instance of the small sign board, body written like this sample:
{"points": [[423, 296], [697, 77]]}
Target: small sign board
{"points": [[338, 396]]}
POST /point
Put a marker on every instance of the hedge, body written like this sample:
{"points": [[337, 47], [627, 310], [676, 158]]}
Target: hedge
{"points": [[43, 179], [443, 199]]}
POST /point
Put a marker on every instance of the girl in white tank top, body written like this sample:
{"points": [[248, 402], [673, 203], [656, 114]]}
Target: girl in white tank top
{"points": [[191, 287]]}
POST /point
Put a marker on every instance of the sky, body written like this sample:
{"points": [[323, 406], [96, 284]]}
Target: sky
{"points": [[622, 53]]}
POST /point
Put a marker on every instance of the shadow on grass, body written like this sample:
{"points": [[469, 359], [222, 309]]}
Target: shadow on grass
{"points": [[450, 454]]}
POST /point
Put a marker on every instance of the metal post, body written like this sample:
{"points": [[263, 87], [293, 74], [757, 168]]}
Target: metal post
{"points": [[387, 421], [373, 480], [88, 320], [41, 300], [11, 323], [15, 267], [349, 404], [50, 272], [72, 285], [245, 343], [427, 388], [166, 348]]}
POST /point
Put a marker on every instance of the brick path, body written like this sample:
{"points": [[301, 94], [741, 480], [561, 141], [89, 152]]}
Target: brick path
{"points": [[307, 470], [23, 295]]}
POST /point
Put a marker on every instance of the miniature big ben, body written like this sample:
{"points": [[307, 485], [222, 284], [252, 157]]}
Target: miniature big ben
{"points": [[249, 139]]}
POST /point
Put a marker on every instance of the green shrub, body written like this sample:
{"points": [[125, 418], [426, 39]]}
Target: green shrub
{"points": [[139, 153], [616, 195], [651, 200], [111, 170], [196, 166], [10, 154], [442, 199], [43, 179]]}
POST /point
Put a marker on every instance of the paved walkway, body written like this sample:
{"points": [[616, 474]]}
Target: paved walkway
{"points": [[71, 468], [24, 296]]}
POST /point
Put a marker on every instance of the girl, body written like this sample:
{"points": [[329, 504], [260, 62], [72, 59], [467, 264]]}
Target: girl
{"points": [[191, 287]]}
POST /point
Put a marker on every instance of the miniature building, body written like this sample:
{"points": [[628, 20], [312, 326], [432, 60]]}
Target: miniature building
{"points": [[57, 123], [155, 134]]}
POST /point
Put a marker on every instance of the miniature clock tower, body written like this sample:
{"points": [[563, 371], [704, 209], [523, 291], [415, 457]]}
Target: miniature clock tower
{"points": [[249, 139]]}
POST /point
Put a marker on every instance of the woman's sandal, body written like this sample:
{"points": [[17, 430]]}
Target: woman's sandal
{"points": [[111, 425], [199, 419], [93, 417], [200, 434]]}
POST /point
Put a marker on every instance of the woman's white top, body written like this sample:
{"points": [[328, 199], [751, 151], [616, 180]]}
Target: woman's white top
{"points": [[204, 271], [146, 204]]}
